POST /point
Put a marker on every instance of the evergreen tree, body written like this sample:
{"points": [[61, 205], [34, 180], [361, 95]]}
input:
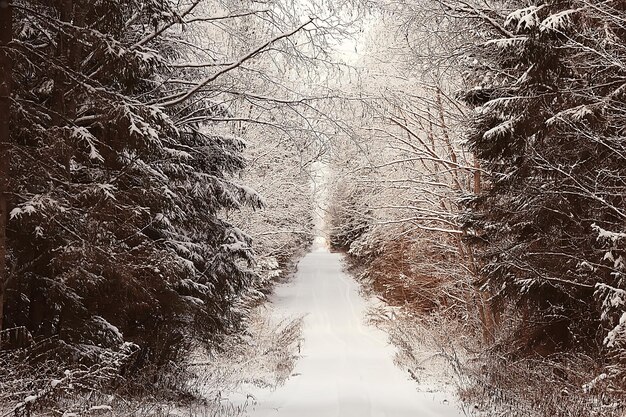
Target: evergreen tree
{"points": [[116, 183], [549, 98]]}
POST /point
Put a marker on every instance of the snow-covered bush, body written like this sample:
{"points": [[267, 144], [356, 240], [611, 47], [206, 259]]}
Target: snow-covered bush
{"points": [[44, 377]]}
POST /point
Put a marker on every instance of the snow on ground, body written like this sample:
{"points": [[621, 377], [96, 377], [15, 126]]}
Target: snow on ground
{"points": [[347, 367]]}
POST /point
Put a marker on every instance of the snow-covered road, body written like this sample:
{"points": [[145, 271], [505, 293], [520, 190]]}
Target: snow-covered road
{"points": [[347, 368]]}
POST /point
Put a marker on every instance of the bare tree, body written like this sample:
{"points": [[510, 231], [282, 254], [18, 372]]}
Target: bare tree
{"points": [[403, 182]]}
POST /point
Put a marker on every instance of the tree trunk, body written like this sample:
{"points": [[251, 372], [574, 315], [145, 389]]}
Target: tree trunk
{"points": [[486, 311], [477, 185], [6, 72]]}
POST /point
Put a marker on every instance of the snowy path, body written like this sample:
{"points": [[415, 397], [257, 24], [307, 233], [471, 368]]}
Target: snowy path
{"points": [[346, 369]]}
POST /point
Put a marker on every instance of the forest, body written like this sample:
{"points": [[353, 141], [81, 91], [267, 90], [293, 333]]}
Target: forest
{"points": [[166, 165]]}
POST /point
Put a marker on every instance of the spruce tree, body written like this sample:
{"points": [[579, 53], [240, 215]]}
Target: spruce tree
{"points": [[548, 127], [117, 181]]}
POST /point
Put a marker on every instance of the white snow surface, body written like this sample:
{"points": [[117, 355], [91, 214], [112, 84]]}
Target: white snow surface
{"points": [[346, 367]]}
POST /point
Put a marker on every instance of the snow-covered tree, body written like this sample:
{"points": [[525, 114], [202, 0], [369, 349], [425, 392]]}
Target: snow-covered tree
{"points": [[285, 225], [399, 177], [548, 127]]}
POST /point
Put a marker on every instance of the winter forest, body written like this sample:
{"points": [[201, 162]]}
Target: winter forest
{"points": [[324, 208]]}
